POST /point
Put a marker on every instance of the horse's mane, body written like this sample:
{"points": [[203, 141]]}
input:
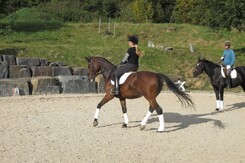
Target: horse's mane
{"points": [[104, 60], [209, 63]]}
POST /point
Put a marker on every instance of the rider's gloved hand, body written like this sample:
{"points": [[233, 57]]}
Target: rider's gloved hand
{"points": [[222, 58], [228, 66]]}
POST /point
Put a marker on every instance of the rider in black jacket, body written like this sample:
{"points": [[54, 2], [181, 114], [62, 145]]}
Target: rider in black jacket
{"points": [[129, 62]]}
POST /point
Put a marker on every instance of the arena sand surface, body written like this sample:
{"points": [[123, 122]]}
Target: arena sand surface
{"points": [[58, 128]]}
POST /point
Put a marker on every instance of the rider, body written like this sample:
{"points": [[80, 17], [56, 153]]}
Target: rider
{"points": [[129, 62], [228, 59]]}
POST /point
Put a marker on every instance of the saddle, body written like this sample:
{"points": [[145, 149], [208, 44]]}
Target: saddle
{"points": [[233, 74], [123, 78]]}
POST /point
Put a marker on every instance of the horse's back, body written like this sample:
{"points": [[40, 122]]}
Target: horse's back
{"points": [[146, 75], [143, 79], [142, 76], [148, 80], [241, 70]]}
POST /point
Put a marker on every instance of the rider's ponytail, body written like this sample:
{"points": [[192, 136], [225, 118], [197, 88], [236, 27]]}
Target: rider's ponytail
{"points": [[138, 51]]}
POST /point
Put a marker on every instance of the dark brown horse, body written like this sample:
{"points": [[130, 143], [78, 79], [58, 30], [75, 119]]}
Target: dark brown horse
{"points": [[142, 83]]}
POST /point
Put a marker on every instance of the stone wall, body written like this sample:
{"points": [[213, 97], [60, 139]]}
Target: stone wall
{"points": [[34, 76]]}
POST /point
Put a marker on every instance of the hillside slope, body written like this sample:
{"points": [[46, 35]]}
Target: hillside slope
{"points": [[71, 42]]}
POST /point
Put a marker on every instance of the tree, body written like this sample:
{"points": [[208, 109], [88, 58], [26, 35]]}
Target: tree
{"points": [[110, 8], [162, 11], [141, 11], [182, 11], [216, 14]]}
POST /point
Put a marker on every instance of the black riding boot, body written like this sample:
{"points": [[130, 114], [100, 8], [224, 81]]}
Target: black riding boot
{"points": [[228, 81], [116, 91]]}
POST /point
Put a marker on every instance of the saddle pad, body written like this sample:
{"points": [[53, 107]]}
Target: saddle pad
{"points": [[233, 73], [122, 78]]}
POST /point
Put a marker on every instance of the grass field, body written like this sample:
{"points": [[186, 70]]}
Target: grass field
{"points": [[71, 42]]}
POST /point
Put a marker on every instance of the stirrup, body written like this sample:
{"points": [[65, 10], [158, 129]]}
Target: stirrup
{"points": [[114, 92]]}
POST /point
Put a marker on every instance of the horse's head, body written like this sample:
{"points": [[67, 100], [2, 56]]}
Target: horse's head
{"points": [[99, 65], [199, 67], [93, 68]]}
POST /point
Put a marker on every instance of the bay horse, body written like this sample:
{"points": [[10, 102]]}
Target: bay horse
{"points": [[217, 81], [138, 84]]}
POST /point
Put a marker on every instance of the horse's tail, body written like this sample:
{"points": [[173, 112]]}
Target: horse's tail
{"points": [[183, 97]]}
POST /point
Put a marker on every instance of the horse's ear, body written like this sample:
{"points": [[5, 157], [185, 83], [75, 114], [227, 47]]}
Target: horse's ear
{"points": [[88, 58], [199, 58]]}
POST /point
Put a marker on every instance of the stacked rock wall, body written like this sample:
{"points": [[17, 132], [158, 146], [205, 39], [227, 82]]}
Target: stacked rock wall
{"points": [[34, 76]]}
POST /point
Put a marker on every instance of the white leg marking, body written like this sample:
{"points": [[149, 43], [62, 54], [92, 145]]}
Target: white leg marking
{"points": [[96, 116], [221, 105], [147, 116], [125, 118], [161, 120], [218, 104]]}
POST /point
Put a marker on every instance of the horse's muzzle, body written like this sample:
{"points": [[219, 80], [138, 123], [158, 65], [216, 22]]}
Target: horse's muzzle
{"points": [[195, 74]]}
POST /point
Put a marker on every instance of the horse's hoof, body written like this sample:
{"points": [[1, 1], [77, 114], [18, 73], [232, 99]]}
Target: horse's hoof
{"points": [[124, 125], [159, 131], [142, 127], [219, 110], [95, 122]]}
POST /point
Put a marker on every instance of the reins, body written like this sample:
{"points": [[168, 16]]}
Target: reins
{"points": [[94, 74], [107, 69]]}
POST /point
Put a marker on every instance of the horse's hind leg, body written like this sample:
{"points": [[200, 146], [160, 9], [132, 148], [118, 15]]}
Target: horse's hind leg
{"points": [[161, 119], [147, 116], [154, 106]]}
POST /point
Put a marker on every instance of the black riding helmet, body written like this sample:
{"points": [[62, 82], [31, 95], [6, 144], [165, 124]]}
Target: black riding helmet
{"points": [[133, 39]]}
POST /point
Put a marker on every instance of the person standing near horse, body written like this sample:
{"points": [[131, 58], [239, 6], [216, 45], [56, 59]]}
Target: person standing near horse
{"points": [[129, 62], [228, 59]]}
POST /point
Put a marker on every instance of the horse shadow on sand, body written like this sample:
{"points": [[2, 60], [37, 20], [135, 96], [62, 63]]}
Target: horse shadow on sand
{"points": [[181, 121], [184, 121], [236, 106]]}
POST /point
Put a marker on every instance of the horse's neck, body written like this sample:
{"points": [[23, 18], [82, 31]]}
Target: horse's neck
{"points": [[107, 71], [210, 69]]}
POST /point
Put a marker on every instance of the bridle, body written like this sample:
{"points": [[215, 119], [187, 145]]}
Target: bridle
{"points": [[93, 73], [199, 68]]}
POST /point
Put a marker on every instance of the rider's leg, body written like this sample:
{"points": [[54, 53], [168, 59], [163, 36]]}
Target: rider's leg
{"points": [[117, 74], [228, 78], [115, 91], [120, 70]]}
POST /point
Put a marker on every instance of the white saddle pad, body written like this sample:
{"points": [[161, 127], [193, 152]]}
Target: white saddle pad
{"points": [[122, 78], [233, 73]]}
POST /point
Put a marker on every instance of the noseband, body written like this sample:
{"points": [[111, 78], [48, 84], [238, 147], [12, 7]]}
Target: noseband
{"points": [[199, 70]]}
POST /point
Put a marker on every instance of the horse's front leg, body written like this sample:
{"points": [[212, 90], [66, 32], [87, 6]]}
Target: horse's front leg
{"points": [[221, 93], [124, 110], [106, 98], [216, 91]]}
